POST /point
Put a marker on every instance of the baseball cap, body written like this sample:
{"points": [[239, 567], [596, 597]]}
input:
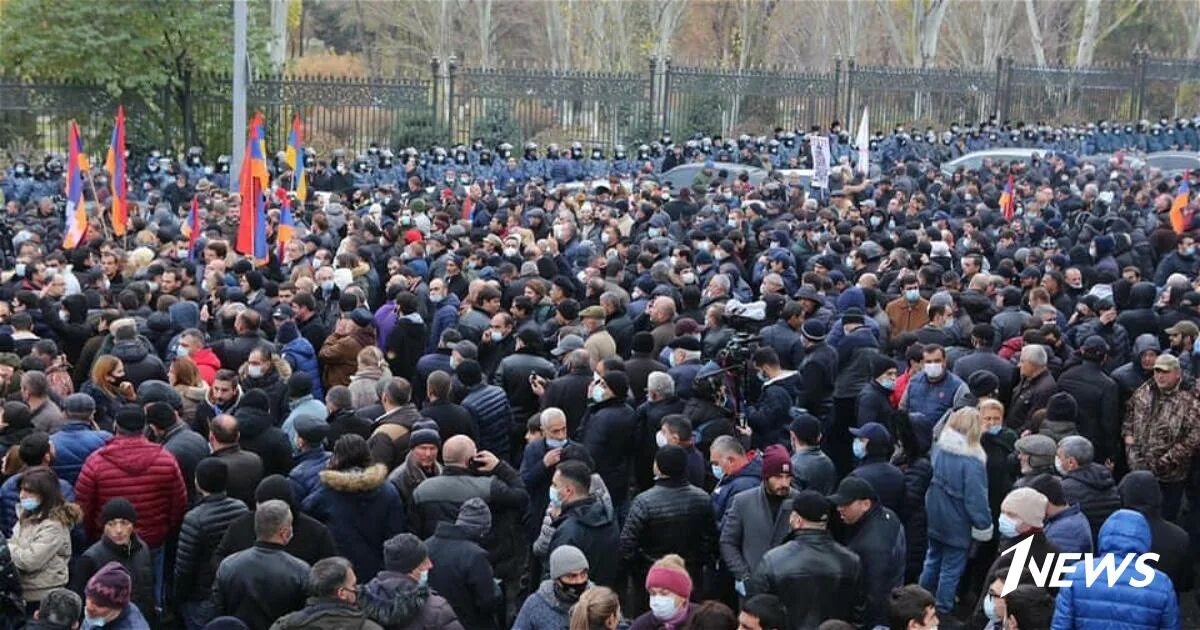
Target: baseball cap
{"points": [[1166, 363], [1185, 328], [852, 489], [811, 506], [872, 431]]}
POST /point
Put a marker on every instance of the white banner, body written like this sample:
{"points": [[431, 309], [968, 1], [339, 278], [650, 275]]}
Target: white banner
{"points": [[863, 141], [820, 155]]}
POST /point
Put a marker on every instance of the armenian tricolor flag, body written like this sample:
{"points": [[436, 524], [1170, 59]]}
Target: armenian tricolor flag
{"points": [[287, 222], [294, 156], [115, 165], [77, 167], [253, 184], [191, 229], [1008, 199], [1179, 222]]}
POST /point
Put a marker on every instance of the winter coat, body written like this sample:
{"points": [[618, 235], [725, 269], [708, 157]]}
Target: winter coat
{"points": [[141, 364], [813, 470], [326, 614], [655, 519], [363, 508], [188, 448], [194, 398], [397, 602], [1150, 606], [1028, 396], [512, 375], [542, 610], [452, 419], [769, 417], [745, 478], [1099, 412], [999, 448], [957, 500], [73, 442], [144, 473], [406, 344], [235, 352], [878, 539], [985, 359], [1093, 489], [1118, 341], [1164, 428], [261, 437], [106, 405], [10, 497], [207, 363], [260, 584], [569, 392], [311, 540], [339, 355], [788, 344], [134, 556], [750, 529], [41, 550], [274, 385], [1069, 531], [300, 354], [390, 433], [305, 474], [131, 618], [490, 408], [307, 406], [1140, 318], [812, 562], [607, 434], [462, 575], [203, 527], [885, 479], [245, 471], [874, 405], [587, 525], [1141, 492], [930, 399], [917, 475]]}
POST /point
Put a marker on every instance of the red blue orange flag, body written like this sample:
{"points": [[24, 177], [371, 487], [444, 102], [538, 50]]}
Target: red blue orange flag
{"points": [[115, 165], [77, 166], [287, 221], [1008, 201], [191, 229], [254, 182], [1180, 222], [294, 156]]}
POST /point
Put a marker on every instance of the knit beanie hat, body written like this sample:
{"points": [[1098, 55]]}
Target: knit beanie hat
{"points": [[566, 559], [671, 578], [118, 507], [129, 418], [1028, 504], [618, 382], [1061, 408], [299, 384], [403, 552], [424, 431], [671, 461], [474, 517], [110, 586], [255, 399], [159, 391], [775, 461]]}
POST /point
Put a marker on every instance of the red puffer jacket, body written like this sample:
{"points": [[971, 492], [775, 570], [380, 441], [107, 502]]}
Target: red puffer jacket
{"points": [[144, 473]]}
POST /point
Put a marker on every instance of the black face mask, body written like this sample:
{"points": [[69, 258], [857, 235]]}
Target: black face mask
{"points": [[568, 593]]}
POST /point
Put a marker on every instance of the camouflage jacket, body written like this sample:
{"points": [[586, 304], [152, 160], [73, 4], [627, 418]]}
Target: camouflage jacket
{"points": [[1162, 430]]}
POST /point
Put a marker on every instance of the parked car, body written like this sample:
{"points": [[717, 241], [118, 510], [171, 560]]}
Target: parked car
{"points": [[972, 161], [685, 174]]}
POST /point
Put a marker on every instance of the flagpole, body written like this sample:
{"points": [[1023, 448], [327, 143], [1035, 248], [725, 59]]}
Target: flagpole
{"points": [[91, 182]]}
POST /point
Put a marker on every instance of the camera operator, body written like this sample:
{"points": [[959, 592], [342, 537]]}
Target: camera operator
{"points": [[768, 417]]}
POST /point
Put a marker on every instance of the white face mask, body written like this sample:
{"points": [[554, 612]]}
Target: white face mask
{"points": [[934, 370], [663, 606], [255, 371]]}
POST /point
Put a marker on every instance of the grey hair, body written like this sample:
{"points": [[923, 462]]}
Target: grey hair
{"points": [[660, 383], [1044, 309], [1035, 354], [270, 517], [327, 576], [61, 607], [550, 413], [578, 359], [609, 297], [1078, 447], [727, 445], [722, 281]]}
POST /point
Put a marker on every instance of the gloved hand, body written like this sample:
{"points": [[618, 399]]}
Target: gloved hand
{"points": [[982, 535]]}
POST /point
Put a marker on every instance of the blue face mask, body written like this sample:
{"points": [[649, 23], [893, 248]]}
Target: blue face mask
{"points": [[553, 443], [996, 429], [30, 505], [554, 499], [598, 393], [888, 384], [860, 449], [94, 622], [424, 579], [718, 472], [912, 295], [989, 608], [761, 376], [1007, 526]]}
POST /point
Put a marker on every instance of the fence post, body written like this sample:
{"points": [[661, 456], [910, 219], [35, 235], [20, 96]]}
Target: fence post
{"points": [[998, 89], [849, 100], [1004, 81], [655, 91], [435, 96], [451, 120], [1139, 81], [837, 90]]}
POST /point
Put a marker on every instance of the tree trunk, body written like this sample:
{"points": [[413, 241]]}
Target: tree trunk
{"points": [[277, 47], [930, 27], [1089, 34], [1035, 34]]}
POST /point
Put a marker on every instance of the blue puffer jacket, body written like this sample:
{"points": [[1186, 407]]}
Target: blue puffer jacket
{"points": [[748, 477], [929, 399], [301, 356], [1100, 606], [1069, 531], [957, 499], [489, 406], [305, 476], [73, 442]]}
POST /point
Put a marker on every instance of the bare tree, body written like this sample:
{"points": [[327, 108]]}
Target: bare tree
{"points": [[1035, 33]]}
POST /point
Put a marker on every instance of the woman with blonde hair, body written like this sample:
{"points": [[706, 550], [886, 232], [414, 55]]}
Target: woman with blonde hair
{"points": [[109, 388], [670, 588], [372, 368], [956, 505], [185, 378], [598, 609]]}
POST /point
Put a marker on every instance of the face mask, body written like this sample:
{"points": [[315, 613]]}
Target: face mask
{"points": [[558, 232], [912, 295], [255, 371], [598, 393], [316, 264], [663, 606], [424, 579], [1007, 526], [996, 429], [64, 315], [511, 252], [732, 223], [718, 472], [181, 253], [688, 277], [653, 232], [30, 505], [989, 608], [605, 238], [327, 286], [876, 221], [888, 384], [553, 443], [671, 360], [933, 370], [555, 500], [1190, 251], [94, 622], [1058, 465], [182, 351], [436, 297], [860, 449], [660, 439], [568, 593], [497, 336], [762, 377]]}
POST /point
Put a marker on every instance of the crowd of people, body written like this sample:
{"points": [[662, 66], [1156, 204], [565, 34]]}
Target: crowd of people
{"points": [[505, 403]]}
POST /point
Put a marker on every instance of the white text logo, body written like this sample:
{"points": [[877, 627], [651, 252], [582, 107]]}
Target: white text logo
{"points": [[1059, 569]]}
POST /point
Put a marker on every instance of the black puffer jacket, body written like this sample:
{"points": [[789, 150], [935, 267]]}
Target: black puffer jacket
{"points": [[586, 524], [917, 475], [878, 539], [512, 375], [141, 364], [203, 527], [462, 575], [1093, 488], [260, 435], [607, 433], [812, 562], [656, 519], [1098, 400]]}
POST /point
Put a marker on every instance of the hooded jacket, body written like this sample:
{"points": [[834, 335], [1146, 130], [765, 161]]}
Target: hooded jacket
{"points": [[363, 508], [957, 500], [1150, 606], [259, 434], [1140, 492], [300, 354], [339, 355], [543, 610], [1093, 489], [144, 473], [141, 364], [397, 602], [41, 550], [587, 525]]}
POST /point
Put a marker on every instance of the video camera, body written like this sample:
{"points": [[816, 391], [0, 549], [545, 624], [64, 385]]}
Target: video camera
{"points": [[738, 350]]}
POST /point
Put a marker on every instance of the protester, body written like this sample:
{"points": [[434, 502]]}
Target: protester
{"points": [[40, 546]]}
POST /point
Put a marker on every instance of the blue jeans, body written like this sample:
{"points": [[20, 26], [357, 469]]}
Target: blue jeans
{"points": [[944, 565]]}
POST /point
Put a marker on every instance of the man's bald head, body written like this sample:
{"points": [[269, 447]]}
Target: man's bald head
{"points": [[224, 429], [458, 450]]}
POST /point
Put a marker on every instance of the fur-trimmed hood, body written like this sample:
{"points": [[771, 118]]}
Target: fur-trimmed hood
{"points": [[355, 480], [69, 514], [393, 599], [952, 441]]}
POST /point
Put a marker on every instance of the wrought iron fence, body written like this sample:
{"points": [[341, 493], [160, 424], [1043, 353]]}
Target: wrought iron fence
{"points": [[452, 104]]}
